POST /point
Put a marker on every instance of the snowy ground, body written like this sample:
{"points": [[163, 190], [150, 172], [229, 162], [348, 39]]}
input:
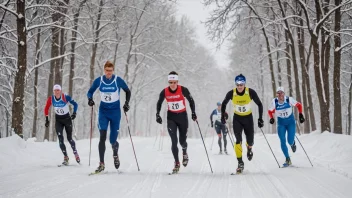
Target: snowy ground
{"points": [[29, 169]]}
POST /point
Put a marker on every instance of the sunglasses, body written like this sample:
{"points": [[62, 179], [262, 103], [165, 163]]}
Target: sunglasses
{"points": [[239, 85], [172, 83], [280, 92]]}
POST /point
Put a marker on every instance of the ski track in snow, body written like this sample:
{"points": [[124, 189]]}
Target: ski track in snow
{"points": [[30, 169]]}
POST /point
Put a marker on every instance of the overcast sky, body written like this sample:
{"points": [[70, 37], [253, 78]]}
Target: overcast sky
{"points": [[195, 11]]}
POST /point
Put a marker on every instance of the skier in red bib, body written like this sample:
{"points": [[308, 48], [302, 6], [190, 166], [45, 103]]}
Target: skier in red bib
{"points": [[176, 116]]}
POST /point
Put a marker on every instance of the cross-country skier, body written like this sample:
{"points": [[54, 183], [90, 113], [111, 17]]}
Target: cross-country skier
{"points": [[177, 118], [219, 127], [282, 106], [241, 98], [109, 110], [63, 119]]}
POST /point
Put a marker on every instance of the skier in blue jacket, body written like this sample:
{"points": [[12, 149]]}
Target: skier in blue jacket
{"points": [[109, 110]]}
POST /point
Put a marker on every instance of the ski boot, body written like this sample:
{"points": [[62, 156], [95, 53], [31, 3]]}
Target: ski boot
{"points": [[100, 168], [220, 153], [185, 160], [225, 152], [249, 153], [240, 168], [78, 160], [176, 168], [293, 146], [65, 162], [287, 162], [116, 162]]}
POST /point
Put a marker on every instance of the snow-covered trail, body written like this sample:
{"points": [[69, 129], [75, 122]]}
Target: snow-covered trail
{"points": [[29, 169]]}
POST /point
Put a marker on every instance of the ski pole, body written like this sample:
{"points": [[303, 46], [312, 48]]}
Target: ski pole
{"points": [[156, 137], [270, 148], [211, 147], [304, 150], [204, 146], [231, 140], [129, 131], [91, 133]]}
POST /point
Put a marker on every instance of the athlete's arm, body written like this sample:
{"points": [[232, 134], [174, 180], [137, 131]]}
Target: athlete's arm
{"points": [[123, 85], [47, 106], [257, 101], [189, 97], [211, 115], [95, 85], [228, 97], [271, 110], [160, 101], [74, 103], [294, 103]]}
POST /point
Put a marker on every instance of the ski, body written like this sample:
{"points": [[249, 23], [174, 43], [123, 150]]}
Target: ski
{"points": [[97, 173]]}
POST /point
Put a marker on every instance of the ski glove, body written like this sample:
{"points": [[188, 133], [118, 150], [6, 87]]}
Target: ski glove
{"points": [[126, 107], [272, 121], [223, 121], [73, 116], [158, 119], [194, 116], [260, 122], [90, 102], [301, 118], [226, 116], [211, 124], [47, 121]]}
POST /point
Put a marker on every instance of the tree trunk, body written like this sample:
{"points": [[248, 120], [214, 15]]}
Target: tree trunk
{"points": [[18, 94], [337, 68], [35, 117], [288, 65], [277, 38], [73, 49], [350, 109], [309, 93], [301, 50], [96, 40]]}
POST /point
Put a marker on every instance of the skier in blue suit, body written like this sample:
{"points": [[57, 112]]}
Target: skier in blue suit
{"points": [[109, 110], [219, 127], [282, 106]]}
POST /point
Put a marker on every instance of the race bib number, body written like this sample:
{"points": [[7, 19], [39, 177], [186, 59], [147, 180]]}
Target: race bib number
{"points": [[242, 108], [176, 106], [61, 110], [109, 97], [284, 113]]}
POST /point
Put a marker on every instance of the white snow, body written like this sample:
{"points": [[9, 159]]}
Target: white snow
{"points": [[22, 43], [29, 169], [20, 16]]}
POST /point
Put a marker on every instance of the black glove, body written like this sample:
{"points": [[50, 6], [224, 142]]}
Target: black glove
{"points": [[90, 102], [158, 119], [301, 118], [73, 116], [47, 121], [194, 116], [272, 121], [260, 123], [126, 107], [226, 116], [211, 124], [223, 121]]}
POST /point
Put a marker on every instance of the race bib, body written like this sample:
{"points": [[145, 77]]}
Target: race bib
{"points": [[176, 106], [61, 110], [109, 97], [243, 108], [284, 113]]}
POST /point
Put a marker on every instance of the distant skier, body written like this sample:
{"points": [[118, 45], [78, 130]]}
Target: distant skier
{"points": [[177, 118], [282, 105], [219, 127], [63, 119], [109, 110], [241, 97]]}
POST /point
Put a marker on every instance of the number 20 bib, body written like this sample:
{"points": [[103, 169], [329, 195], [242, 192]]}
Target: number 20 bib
{"points": [[175, 101]]}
